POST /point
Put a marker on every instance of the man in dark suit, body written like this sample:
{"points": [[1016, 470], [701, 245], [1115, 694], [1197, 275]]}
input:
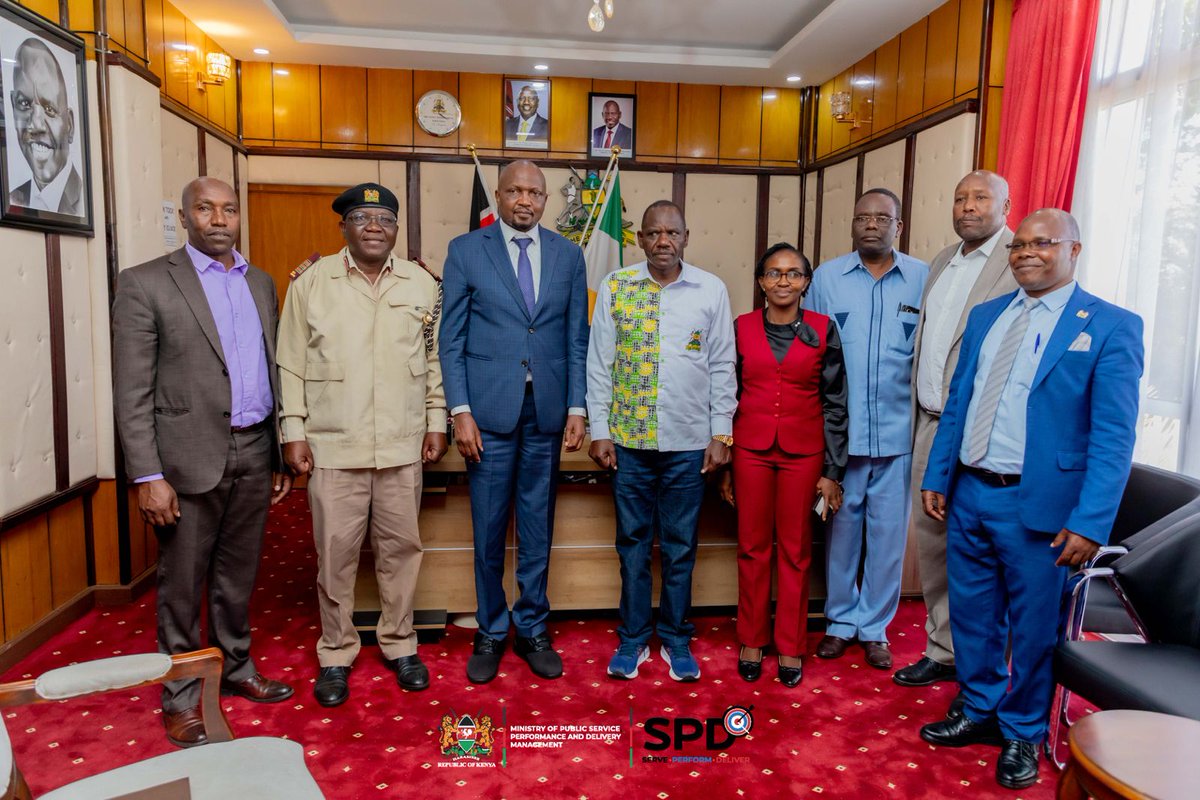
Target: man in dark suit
{"points": [[961, 277], [612, 132], [195, 396], [514, 352], [1030, 459], [45, 126], [528, 128]]}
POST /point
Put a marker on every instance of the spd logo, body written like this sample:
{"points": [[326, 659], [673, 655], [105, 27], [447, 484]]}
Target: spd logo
{"points": [[718, 733]]}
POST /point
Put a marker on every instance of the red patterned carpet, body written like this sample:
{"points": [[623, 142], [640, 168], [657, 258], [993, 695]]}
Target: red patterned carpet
{"points": [[847, 731]]}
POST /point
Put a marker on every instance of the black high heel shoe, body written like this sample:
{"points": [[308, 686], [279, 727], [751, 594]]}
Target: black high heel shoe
{"points": [[790, 676], [750, 670]]}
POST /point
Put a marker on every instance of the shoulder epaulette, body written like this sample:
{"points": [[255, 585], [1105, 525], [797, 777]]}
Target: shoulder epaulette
{"points": [[425, 267], [308, 262]]}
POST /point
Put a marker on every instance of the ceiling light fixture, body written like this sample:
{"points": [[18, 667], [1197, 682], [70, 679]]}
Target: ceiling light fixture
{"points": [[793, 78], [541, 67], [261, 51], [597, 15]]}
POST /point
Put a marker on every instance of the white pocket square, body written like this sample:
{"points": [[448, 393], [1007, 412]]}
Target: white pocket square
{"points": [[1082, 344]]}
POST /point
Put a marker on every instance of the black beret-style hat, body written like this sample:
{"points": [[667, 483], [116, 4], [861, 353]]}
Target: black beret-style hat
{"points": [[366, 194]]}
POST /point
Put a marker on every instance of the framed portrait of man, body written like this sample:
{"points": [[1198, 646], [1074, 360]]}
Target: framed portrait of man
{"points": [[527, 113], [45, 180], [611, 124]]}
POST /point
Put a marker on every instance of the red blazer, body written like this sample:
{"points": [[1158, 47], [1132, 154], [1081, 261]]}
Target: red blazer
{"points": [[780, 401]]}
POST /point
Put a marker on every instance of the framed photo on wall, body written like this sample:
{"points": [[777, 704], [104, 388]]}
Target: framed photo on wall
{"points": [[611, 122], [45, 179], [527, 113]]}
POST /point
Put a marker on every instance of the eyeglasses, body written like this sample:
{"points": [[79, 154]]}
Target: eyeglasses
{"points": [[512, 193], [791, 276], [878, 219], [360, 219], [1017, 245]]}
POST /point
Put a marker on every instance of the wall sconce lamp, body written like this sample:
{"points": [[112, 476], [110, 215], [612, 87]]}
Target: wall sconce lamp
{"points": [[840, 104], [219, 69]]}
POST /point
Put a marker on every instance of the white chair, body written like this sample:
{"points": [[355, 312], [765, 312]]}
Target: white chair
{"points": [[260, 767]]}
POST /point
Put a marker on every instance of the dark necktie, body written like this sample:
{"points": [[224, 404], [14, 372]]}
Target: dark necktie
{"points": [[608, 139], [525, 271]]}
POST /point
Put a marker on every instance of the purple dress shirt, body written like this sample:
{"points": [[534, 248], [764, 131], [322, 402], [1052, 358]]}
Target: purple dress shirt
{"points": [[241, 333]]}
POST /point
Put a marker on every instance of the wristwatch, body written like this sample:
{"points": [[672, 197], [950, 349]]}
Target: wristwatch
{"points": [[725, 440]]}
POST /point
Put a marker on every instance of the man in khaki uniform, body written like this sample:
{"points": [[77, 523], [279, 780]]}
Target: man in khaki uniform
{"points": [[363, 408], [961, 276]]}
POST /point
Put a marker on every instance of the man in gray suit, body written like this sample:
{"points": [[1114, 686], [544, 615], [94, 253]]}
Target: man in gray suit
{"points": [[195, 395], [962, 276]]}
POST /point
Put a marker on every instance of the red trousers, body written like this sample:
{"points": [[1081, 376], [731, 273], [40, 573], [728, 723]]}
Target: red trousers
{"points": [[775, 492]]}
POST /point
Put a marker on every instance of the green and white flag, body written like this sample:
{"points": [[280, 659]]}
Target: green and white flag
{"points": [[603, 253]]}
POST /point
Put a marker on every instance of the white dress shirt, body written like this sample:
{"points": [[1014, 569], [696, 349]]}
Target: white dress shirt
{"points": [[48, 199], [696, 387], [943, 309]]}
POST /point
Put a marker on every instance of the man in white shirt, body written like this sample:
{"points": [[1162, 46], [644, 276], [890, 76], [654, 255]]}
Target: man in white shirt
{"points": [[661, 393], [962, 276]]}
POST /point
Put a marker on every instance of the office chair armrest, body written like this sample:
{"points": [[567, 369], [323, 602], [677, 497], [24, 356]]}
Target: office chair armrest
{"points": [[129, 672], [1075, 611], [1105, 553]]}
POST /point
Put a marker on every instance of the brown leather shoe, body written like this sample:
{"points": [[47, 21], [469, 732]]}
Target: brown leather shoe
{"points": [[185, 728], [832, 647], [878, 655], [258, 689]]}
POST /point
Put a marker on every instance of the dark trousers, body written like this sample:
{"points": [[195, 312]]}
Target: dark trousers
{"points": [[657, 493], [521, 465], [218, 539]]}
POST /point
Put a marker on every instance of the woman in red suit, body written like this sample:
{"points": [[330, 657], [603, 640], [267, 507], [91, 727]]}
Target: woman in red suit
{"points": [[790, 449]]}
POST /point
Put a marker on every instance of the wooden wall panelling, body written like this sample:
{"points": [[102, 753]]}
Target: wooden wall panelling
{"points": [[887, 71], [990, 156], [114, 19], [699, 107], [390, 108], [344, 107], [1002, 11], [911, 80], [297, 102], [135, 27], [970, 43], [47, 8], [175, 55], [741, 123], [82, 14], [156, 59], [481, 98], [823, 135], [657, 125], [614, 87], [568, 114], [780, 127], [105, 547], [25, 575], [196, 42], [68, 551], [941, 54], [862, 97], [424, 81], [840, 138], [258, 118]]}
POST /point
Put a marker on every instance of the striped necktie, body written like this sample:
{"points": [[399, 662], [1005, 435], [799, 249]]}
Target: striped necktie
{"points": [[993, 388]]}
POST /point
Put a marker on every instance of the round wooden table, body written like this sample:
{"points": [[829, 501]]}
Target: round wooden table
{"points": [[1132, 754]]}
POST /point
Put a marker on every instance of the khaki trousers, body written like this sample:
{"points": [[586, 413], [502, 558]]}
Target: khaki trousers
{"points": [[344, 502], [931, 549]]}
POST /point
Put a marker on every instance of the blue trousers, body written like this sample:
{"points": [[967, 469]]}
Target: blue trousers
{"points": [[876, 492], [657, 493], [521, 465], [1002, 581]]}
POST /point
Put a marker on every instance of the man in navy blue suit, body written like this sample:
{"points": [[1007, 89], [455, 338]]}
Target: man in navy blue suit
{"points": [[1030, 459], [514, 358]]}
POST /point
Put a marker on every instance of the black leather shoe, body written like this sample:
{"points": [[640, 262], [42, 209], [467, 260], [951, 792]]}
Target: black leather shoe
{"points": [[333, 686], [750, 670], [539, 653], [790, 676], [925, 672], [956, 706], [1017, 767], [961, 732], [485, 658], [410, 672]]}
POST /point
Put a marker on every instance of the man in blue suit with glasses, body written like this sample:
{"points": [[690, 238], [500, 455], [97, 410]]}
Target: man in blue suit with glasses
{"points": [[1027, 468], [514, 357]]}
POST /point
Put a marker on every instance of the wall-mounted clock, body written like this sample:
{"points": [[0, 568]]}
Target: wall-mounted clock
{"points": [[439, 113]]}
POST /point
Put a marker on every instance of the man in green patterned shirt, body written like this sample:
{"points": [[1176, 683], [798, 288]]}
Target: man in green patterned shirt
{"points": [[661, 397]]}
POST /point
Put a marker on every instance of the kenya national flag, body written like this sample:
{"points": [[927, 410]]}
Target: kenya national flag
{"points": [[482, 213]]}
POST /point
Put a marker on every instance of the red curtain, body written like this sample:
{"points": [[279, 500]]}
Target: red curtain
{"points": [[1045, 91]]}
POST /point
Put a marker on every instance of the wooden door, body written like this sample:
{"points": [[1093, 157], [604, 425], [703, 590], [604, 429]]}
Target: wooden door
{"points": [[288, 224]]}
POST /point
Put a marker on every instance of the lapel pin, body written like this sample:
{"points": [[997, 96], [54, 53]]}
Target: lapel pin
{"points": [[1081, 314]]}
